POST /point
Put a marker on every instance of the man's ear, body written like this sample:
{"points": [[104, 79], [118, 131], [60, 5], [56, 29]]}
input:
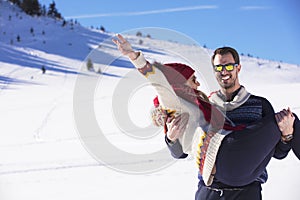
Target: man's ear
{"points": [[239, 67]]}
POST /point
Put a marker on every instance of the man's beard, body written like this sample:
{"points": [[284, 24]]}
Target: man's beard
{"points": [[227, 86]]}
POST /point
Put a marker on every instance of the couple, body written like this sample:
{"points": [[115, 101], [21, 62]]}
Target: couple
{"points": [[238, 135]]}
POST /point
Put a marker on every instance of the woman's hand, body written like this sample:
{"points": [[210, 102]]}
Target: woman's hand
{"points": [[125, 47]]}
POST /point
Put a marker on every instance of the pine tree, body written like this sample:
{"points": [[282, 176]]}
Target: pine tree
{"points": [[102, 29], [43, 10], [90, 65], [52, 9], [31, 7], [139, 34], [64, 23], [31, 30], [52, 12]]}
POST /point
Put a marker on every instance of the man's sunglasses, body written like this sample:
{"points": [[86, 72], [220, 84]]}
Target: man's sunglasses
{"points": [[229, 67]]}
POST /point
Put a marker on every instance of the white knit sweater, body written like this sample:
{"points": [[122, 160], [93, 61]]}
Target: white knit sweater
{"points": [[170, 101]]}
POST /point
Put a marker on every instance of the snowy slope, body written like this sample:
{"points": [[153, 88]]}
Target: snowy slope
{"points": [[44, 154]]}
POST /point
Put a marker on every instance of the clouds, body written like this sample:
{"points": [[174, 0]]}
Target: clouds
{"points": [[167, 10], [150, 12], [254, 8]]}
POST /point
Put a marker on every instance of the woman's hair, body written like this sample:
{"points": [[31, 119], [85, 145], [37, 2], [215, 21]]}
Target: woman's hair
{"points": [[203, 96], [226, 50]]}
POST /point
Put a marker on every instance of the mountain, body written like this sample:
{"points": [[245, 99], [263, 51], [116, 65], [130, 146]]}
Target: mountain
{"points": [[22, 33], [45, 155]]}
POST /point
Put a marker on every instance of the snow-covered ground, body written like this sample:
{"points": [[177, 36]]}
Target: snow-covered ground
{"points": [[75, 134]]}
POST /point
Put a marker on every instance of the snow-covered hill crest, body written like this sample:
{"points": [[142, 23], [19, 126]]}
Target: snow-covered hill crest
{"points": [[31, 41]]}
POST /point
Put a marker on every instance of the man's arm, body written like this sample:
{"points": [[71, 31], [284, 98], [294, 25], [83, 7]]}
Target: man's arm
{"points": [[282, 149]]}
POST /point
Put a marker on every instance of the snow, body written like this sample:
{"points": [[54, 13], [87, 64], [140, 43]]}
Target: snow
{"points": [[44, 154]]}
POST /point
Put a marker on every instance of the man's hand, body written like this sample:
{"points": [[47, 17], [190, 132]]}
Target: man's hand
{"points": [[285, 121], [177, 126], [125, 47]]}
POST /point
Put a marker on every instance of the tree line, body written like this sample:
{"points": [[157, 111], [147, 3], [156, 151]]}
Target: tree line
{"points": [[33, 7]]}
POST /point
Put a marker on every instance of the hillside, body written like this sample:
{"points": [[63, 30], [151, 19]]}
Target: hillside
{"points": [[45, 155]]}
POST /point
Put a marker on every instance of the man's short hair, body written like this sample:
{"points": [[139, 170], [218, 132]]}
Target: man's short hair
{"points": [[226, 50]]}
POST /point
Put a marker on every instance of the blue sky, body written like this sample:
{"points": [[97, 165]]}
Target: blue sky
{"points": [[267, 29]]}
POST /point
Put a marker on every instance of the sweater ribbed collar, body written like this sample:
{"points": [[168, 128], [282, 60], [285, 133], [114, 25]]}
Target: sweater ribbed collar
{"points": [[239, 97]]}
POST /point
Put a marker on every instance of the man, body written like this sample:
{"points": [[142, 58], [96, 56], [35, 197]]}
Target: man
{"points": [[242, 156]]}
